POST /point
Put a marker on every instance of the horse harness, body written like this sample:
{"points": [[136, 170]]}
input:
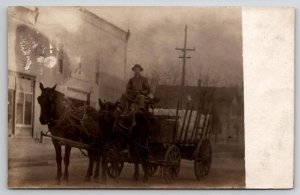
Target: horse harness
{"points": [[67, 117], [120, 127]]}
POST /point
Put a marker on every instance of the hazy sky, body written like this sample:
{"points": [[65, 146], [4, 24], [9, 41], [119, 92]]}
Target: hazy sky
{"points": [[215, 32]]}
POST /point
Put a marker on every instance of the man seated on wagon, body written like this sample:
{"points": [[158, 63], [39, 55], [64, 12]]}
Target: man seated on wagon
{"points": [[137, 90]]}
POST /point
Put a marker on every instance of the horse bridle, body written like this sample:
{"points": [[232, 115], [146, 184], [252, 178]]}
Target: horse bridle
{"points": [[62, 117], [107, 112]]}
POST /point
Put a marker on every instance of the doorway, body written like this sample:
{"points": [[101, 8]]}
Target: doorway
{"points": [[20, 105]]}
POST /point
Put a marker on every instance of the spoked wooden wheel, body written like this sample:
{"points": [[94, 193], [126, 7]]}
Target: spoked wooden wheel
{"points": [[203, 159], [171, 165], [152, 168], [114, 163], [114, 169]]}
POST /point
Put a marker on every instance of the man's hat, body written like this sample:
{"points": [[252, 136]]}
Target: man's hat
{"points": [[137, 66]]}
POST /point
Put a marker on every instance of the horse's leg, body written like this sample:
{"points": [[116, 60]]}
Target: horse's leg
{"points": [[97, 158], [103, 164], [145, 169], [67, 162], [58, 159], [136, 170], [89, 172]]}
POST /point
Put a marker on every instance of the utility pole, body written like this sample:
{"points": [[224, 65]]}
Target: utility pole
{"points": [[183, 57]]}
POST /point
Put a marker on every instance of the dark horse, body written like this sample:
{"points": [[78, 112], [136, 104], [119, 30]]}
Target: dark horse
{"points": [[64, 120], [126, 129]]}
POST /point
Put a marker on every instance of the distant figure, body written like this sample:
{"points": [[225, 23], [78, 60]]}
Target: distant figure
{"points": [[136, 90]]}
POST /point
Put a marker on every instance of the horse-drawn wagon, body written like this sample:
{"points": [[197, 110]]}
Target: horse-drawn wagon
{"points": [[155, 140], [172, 138]]}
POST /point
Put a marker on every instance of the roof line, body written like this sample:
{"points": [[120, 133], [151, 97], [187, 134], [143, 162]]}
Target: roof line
{"points": [[84, 10]]}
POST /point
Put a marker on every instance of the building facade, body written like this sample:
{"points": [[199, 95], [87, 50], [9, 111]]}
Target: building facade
{"points": [[71, 47]]}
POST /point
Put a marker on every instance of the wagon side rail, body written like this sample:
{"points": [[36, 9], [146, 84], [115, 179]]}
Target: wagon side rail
{"points": [[199, 128]]}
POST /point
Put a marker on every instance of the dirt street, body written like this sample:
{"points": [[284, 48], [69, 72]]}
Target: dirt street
{"points": [[227, 172]]}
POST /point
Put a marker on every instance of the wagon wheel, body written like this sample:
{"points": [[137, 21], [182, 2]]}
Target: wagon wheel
{"points": [[171, 165], [152, 168], [114, 169], [114, 163], [203, 159]]}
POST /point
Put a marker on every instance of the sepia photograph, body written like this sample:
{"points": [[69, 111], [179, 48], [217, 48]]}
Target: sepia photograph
{"points": [[126, 97]]}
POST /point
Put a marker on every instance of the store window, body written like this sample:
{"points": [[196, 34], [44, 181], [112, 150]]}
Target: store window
{"points": [[24, 102]]}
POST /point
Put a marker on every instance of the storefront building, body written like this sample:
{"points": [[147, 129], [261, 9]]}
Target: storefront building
{"points": [[70, 47]]}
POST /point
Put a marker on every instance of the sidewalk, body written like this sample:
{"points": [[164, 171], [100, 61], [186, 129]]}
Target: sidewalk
{"points": [[26, 152]]}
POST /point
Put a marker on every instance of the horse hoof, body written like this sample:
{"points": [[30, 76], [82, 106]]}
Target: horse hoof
{"points": [[96, 176], [58, 182], [66, 178], [87, 179]]}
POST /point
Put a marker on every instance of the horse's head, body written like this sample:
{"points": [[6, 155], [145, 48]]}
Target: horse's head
{"points": [[47, 103], [107, 110], [107, 116]]}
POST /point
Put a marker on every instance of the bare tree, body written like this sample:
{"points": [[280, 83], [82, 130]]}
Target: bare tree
{"points": [[170, 75], [154, 79]]}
